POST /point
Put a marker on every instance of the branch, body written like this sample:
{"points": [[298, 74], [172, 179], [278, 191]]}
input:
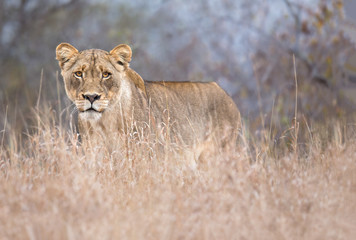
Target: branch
{"points": [[297, 21]]}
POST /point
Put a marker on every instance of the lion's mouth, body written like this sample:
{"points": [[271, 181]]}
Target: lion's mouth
{"points": [[91, 109], [97, 107]]}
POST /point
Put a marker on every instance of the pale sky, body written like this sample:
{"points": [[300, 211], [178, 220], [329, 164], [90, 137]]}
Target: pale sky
{"points": [[350, 9]]}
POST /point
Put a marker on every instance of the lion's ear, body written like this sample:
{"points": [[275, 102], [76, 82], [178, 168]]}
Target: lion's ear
{"points": [[122, 54], [64, 52]]}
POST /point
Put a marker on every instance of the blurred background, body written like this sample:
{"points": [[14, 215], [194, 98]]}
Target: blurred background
{"points": [[246, 46]]}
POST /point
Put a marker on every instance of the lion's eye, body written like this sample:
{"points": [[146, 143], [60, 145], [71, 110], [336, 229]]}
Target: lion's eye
{"points": [[78, 74], [106, 75]]}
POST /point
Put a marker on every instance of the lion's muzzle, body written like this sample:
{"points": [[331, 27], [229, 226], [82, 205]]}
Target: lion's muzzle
{"points": [[91, 103]]}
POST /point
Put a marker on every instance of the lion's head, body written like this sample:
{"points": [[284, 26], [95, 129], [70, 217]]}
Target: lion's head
{"points": [[93, 77]]}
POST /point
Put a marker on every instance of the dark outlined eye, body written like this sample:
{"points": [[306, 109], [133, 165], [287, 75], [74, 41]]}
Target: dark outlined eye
{"points": [[78, 74], [106, 74]]}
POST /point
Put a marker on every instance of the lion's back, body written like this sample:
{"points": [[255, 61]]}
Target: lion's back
{"points": [[196, 107]]}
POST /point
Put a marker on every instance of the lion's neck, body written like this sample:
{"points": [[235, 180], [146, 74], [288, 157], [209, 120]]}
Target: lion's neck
{"points": [[124, 96]]}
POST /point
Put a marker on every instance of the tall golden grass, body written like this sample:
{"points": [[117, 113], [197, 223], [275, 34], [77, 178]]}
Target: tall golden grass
{"points": [[53, 188]]}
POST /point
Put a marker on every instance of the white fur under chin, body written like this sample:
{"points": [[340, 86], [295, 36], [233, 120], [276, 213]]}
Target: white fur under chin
{"points": [[91, 116]]}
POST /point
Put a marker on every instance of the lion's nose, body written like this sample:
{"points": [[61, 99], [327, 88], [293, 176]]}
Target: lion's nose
{"points": [[91, 97]]}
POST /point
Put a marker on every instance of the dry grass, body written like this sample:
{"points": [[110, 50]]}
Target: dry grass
{"points": [[50, 188]]}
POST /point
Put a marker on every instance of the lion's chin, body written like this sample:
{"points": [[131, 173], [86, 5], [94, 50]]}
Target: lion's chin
{"points": [[90, 115]]}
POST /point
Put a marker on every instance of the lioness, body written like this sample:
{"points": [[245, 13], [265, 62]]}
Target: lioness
{"points": [[113, 98]]}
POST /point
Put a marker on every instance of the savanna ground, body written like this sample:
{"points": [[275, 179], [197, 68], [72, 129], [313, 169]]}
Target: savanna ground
{"points": [[301, 185]]}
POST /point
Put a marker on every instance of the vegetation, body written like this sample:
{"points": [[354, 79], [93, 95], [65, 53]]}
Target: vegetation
{"points": [[52, 188], [293, 175]]}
